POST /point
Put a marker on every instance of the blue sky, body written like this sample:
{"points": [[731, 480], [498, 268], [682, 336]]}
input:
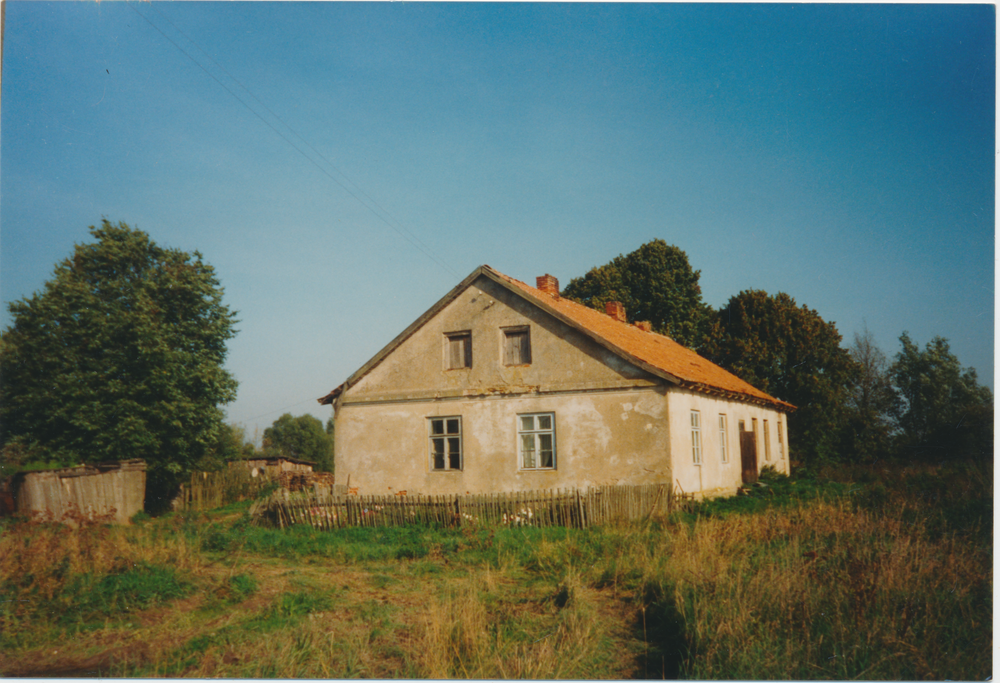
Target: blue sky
{"points": [[843, 154]]}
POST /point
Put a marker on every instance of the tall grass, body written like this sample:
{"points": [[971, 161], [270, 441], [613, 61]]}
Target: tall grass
{"points": [[853, 574]]}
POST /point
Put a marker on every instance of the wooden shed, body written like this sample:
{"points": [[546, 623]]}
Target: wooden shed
{"points": [[115, 490], [273, 466]]}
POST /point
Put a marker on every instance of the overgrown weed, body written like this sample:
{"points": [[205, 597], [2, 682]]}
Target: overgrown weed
{"points": [[880, 575]]}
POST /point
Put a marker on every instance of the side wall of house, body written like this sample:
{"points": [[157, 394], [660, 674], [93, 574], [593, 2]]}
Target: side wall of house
{"points": [[613, 437], [720, 472]]}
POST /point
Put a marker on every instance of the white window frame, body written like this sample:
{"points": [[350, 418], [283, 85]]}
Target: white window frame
{"points": [[781, 441], [446, 439], [536, 432], [696, 436], [724, 438], [767, 442]]}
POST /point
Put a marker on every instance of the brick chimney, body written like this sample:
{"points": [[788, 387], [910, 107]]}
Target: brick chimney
{"points": [[644, 325], [548, 284], [616, 310]]}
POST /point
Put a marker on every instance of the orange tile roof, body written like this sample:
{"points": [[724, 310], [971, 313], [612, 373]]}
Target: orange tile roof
{"points": [[652, 351]]}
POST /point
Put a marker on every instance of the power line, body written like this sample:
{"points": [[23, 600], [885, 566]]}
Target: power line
{"points": [[371, 204], [271, 412]]}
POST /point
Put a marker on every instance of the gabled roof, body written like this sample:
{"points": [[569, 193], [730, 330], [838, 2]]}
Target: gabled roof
{"points": [[655, 353]]}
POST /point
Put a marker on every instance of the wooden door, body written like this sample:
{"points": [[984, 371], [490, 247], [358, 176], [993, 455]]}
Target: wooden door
{"points": [[748, 456]]}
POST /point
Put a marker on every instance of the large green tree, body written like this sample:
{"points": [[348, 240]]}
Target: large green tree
{"points": [[121, 356], [655, 283], [300, 437], [943, 412], [790, 352]]}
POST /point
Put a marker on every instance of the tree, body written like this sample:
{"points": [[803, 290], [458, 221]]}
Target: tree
{"points": [[655, 283], [871, 402], [300, 437], [790, 352], [120, 357], [943, 412]]}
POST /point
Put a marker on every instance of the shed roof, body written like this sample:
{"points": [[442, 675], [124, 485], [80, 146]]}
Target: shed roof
{"points": [[655, 353]]}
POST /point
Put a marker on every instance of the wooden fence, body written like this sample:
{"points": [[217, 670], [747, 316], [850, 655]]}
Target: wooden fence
{"points": [[571, 508], [112, 491], [210, 490]]}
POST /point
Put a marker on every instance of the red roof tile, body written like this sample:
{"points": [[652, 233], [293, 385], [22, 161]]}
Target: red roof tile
{"points": [[656, 351]]}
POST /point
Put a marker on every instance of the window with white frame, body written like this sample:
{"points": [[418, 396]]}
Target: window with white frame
{"points": [[723, 438], [781, 441], [767, 442], [517, 346], [458, 350], [536, 437], [445, 435], [696, 436]]}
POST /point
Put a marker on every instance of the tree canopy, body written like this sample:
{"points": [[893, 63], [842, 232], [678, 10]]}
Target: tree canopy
{"points": [[943, 413], [300, 437], [121, 356], [790, 352], [655, 283]]}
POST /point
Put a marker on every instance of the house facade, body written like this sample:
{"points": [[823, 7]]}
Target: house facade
{"points": [[501, 386]]}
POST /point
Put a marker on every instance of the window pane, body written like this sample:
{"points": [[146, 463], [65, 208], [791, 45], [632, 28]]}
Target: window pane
{"points": [[453, 426], [527, 423], [438, 445], [528, 449], [545, 422], [545, 450], [454, 453], [437, 426]]}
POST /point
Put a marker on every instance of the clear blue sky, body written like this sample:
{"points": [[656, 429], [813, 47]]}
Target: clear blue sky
{"points": [[843, 154]]}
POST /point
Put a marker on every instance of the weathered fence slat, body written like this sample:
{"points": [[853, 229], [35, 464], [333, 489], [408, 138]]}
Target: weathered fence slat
{"points": [[580, 508]]}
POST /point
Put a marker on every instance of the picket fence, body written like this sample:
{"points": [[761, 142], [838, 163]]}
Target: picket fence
{"points": [[570, 508]]}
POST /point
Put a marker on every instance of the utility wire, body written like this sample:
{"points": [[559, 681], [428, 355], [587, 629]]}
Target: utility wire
{"points": [[271, 412], [400, 230], [290, 129]]}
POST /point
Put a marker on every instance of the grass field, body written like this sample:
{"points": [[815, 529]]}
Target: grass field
{"points": [[871, 574]]}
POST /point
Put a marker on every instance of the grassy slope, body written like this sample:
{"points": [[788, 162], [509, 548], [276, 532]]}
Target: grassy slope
{"points": [[884, 575]]}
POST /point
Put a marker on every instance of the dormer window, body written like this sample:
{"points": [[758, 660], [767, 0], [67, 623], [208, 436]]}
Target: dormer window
{"points": [[458, 350], [517, 346]]}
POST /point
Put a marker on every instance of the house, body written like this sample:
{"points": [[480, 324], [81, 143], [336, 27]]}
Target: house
{"points": [[501, 386]]}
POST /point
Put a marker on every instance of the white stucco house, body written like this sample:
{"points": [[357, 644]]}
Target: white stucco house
{"points": [[502, 387]]}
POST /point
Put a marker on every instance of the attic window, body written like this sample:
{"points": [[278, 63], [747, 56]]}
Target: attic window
{"points": [[517, 346], [458, 350]]}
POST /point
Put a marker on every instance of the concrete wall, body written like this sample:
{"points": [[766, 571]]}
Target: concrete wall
{"points": [[713, 476], [562, 358], [617, 437]]}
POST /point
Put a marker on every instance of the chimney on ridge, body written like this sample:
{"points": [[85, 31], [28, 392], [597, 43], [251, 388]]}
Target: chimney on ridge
{"points": [[616, 310], [548, 284], [644, 325]]}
